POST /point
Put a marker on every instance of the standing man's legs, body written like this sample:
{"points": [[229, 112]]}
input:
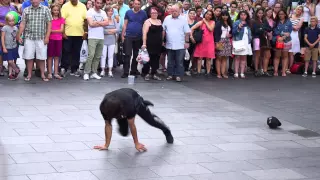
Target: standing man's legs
{"points": [[28, 54], [127, 48], [41, 57], [97, 58], [75, 51], [66, 54], [136, 45], [92, 44], [179, 58], [171, 63]]}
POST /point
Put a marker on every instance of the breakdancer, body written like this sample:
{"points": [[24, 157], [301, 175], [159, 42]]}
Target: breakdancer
{"points": [[124, 104]]}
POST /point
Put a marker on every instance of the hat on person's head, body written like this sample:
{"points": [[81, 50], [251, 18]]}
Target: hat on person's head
{"points": [[273, 122]]}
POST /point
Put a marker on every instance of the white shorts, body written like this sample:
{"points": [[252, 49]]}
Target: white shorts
{"points": [[34, 49]]}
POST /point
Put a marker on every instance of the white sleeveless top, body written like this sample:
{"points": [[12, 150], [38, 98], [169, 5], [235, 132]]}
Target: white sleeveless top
{"points": [[318, 11], [306, 14], [225, 31]]}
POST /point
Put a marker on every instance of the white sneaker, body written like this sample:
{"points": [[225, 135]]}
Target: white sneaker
{"points": [[95, 76], [110, 74], [305, 74], [103, 73], [314, 75], [86, 77]]}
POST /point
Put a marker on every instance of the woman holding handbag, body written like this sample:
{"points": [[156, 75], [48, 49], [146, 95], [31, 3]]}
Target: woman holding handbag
{"points": [[261, 45], [282, 39], [222, 38], [242, 38], [205, 49]]}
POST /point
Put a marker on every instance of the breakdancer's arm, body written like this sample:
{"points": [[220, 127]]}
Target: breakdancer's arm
{"points": [[108, 135], [133, 129]]}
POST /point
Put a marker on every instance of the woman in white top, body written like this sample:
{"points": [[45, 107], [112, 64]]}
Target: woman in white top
{"points": [[297, 21], [222, 37]]}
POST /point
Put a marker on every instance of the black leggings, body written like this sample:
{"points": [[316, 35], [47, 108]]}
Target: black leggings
{"points": [[153, 63], [152, 119]]}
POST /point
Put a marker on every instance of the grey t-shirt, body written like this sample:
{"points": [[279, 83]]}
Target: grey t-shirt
{"points": [[110, 39], [10, 36]]}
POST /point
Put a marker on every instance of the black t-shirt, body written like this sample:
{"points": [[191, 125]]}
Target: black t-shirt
{"points": [[129, 100]]}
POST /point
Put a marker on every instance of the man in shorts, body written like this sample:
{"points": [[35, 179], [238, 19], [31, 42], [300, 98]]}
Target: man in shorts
{"points": [[123, 105], [36, 26]]}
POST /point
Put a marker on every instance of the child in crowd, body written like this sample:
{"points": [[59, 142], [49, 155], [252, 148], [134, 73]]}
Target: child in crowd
{"points": [[55, 41], [312, 39], [10, 47]]}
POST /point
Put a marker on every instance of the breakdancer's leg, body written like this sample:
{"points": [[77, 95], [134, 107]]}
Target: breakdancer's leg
{"points": [[155, 121]]}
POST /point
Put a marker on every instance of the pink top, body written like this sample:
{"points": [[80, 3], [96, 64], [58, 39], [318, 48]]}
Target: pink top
{"points": [[56, 25]]}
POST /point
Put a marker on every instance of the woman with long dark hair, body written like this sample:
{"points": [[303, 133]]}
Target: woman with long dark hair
{"points": [[282, 31], [222, 38], [191, 22], [261, 45], [241, 31], [206, 48]]}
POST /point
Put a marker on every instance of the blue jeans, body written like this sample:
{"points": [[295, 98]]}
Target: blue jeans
{"points": [[175, 62]]}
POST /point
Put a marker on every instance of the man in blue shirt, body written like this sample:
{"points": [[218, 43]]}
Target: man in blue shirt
{"points": [[132, 37]]}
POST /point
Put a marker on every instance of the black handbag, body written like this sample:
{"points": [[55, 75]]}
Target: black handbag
{"points": [[264, 41], [197, 35]]}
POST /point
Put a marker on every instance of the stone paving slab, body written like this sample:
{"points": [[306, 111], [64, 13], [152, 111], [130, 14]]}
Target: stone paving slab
{"points": [[48, 132]]}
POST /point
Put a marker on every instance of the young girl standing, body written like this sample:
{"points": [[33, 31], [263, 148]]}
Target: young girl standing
{"points": [[55, 41], [9, 46]]}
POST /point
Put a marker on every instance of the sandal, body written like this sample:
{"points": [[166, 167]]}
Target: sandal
{"points": [[49, 76], [45, 79], [27, 78], [219, 77], [225, 76], [56, 76]]}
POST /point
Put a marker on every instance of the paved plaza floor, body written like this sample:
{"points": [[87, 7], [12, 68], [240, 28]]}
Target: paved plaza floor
{"points": [[48, 130]]}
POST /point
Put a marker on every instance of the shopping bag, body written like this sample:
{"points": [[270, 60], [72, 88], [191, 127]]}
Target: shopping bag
{"points": [[143, 56], [84, 52], [187, 55]]}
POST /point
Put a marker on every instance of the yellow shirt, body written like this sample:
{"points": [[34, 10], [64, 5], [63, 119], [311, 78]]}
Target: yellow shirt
{"points": [[74, 17]]}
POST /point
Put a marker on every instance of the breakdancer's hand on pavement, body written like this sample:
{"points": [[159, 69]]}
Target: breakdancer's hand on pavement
{"points": [[103, 147], [140, 147]]}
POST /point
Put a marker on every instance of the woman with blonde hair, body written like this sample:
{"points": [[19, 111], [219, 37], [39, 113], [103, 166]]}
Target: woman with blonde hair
{"points": [[297, 21]]}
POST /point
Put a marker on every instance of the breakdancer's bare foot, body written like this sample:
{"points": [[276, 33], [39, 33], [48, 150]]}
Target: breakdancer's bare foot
{"points": [[140, 147], [103, 147]]}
